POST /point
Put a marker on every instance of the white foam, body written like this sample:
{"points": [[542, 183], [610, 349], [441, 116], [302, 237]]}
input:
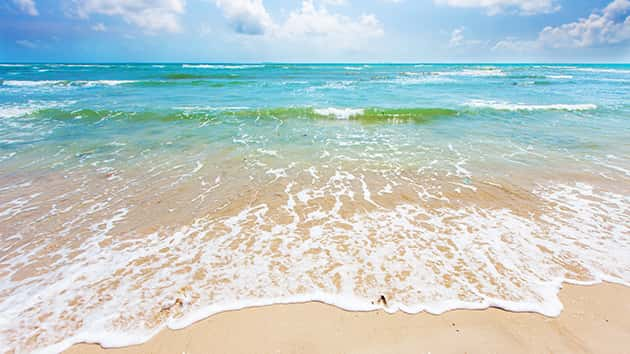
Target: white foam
{"points": [[80, 65], [218, 66], [53, 83], [560, 77], [339, 113], [19, 110], [32, 83], [413, 78], [404, 251], [106, 82], [603, 70], [489, 72], [504, 106]]}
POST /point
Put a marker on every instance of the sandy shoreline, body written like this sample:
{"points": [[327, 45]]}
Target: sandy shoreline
{"points": [[596, 319]]}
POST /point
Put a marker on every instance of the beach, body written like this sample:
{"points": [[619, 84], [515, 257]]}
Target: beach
{"points": [[299, 200], [595, 320]]}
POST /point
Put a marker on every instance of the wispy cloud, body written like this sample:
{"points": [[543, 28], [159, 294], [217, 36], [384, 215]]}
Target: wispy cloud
{"points": [[26, 6], [150, 15], [99, 27], [493, 7], [26, 43]]}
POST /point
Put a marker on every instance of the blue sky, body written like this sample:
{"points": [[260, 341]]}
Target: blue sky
{"points": [[315, 30]]}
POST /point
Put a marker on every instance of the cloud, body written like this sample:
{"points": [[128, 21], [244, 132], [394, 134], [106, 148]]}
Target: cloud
{"points": [[27, 6], [515, 45], [457, 37], [311, 23], [493, 7], [606, 27], [318, 22], [99, 27], [246, 16], [26, 43], [150, 15], [458, 40]]}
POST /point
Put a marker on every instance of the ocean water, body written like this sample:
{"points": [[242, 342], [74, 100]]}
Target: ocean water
{"points": [[139, 196]]}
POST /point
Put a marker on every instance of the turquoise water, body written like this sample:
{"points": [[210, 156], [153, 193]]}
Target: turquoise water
{"points": [[139, 196], [43, 104]]}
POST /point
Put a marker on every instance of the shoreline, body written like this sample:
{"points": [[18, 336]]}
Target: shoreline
{"points": [[595, 319]]}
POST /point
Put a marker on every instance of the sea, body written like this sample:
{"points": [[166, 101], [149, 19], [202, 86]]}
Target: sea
{"points": [[135, 197]]}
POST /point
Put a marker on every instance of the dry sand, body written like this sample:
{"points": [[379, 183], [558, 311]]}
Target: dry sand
{"points": [[596, 319]]}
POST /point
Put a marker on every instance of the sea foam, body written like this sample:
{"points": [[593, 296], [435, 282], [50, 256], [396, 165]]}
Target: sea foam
{"points": [[505, 106], [339, 113]]}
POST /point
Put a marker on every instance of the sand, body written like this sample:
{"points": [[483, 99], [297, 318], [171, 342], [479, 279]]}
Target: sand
{"points": [[596, 319]]}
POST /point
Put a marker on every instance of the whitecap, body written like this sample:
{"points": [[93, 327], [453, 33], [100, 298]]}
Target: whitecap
{"points": [[339, 113], [504, 106], [220, 66]]}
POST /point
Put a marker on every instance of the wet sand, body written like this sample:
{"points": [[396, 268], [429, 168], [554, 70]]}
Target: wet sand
{"points": [[595, 319]]}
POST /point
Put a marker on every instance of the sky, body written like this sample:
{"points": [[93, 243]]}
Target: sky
{"points": [[314, 30]]}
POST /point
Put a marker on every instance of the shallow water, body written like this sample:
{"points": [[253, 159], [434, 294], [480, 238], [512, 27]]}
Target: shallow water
{"points": [[134, 197]]}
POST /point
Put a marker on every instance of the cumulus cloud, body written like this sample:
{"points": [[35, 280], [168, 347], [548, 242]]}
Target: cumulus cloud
{"points": [[493, 7], [246, 16], [150, 15], [605, 27], [312, 21], [610, 26], [27, 6], [307, 23]]}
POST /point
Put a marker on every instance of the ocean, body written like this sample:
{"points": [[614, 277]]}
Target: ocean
{"points": [[135, 197]]}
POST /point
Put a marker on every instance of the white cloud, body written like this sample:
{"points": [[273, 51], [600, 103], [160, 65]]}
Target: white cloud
{"points": [[335, 2], [459, 40], [457, 37], [515, 45], [99, 27], [27, 6], [246, 16], [150, 15], [606, 27], [26, 43], [318, 22], [311, 23], [493, 7]]}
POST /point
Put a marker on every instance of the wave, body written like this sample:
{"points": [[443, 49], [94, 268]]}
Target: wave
{"points": [[21, 110], [222, 66], [339, 113], [186, 76], [504, 106], [603, 70], [170, 80], [363, 115], [80, 65], [178, 82], [52, 83], [559, 77], [489, 72], [367, 115]]}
